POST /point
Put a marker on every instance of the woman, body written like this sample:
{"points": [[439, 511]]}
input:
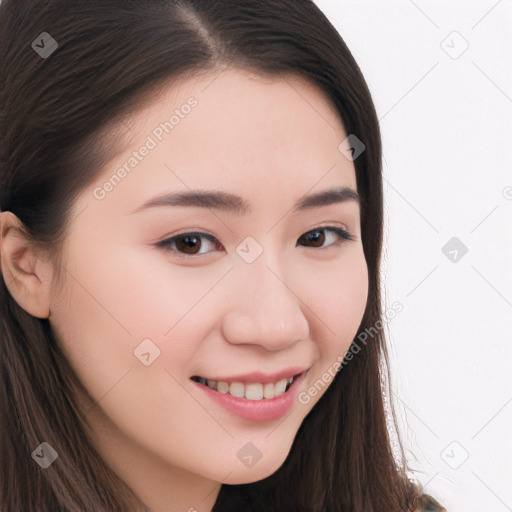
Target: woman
{"points": [[139, 373]]}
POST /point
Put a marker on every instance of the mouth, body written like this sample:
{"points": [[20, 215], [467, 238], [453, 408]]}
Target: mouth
{"points": [[249, 390]]}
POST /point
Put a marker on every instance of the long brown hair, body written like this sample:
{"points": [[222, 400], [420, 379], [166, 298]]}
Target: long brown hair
{"points": [[56, 116]]}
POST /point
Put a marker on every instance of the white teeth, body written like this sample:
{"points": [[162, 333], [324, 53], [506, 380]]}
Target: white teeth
{"points": [[223, 387], [237, 389], [254, 391], [268, 390], [280, 387], [251, 391]]}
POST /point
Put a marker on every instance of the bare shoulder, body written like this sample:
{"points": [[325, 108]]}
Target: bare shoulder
{"points": [[428, 504]]}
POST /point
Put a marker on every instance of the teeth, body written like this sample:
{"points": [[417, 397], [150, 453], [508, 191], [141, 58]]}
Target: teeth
{"points": [[254, 391], [251, 391], [236, 389], [268, 390], [223, 387], [280, 387]]}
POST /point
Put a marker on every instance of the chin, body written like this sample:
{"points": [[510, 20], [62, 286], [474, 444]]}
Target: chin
{"points": [[258, 472]]}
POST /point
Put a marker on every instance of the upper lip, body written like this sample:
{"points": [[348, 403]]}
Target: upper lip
{"points": [[259, 376]]}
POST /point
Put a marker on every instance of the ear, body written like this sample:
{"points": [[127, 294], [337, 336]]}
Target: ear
{"points": [[27, 273]]}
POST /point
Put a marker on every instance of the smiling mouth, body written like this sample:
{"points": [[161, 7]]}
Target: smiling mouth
{"points": [[250, 390]]}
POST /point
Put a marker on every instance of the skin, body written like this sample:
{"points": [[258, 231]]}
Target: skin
{"points": [[271, 142]]}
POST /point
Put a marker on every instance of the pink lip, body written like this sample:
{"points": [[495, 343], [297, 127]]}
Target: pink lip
{"points": [[263, 378], [256, 410]]}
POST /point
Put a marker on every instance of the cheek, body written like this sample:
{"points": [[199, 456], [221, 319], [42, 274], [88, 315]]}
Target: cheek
{"points": [[338, 299], [109, 305], [160, 295], [339, 294]]}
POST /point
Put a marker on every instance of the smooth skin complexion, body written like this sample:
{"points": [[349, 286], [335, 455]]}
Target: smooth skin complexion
{"points": [[298, 305]]}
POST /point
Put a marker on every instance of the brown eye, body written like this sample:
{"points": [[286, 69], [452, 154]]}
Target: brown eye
{"points": [[317, 236], [189, 244]]}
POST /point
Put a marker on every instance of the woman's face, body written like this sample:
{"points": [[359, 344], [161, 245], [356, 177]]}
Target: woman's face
{"points": [[268, 290]]}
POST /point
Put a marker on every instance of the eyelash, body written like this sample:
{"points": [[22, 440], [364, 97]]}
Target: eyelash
{"points": [[165, 244]]}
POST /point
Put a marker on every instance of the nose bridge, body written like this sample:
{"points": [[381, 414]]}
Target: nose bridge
{"points": [[265, 309]]}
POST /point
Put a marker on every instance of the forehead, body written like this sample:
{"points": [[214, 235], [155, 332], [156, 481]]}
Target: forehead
{"points": [[236, 131]]}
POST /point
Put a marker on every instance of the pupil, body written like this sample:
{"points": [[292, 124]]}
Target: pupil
{"points": [[186, 244], [322, 236]]}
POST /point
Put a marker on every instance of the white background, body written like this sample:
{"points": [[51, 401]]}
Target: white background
{"points": [[446, 123]]}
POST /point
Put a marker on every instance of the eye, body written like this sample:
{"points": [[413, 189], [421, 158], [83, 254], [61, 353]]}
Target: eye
{"points": [[317, 235], [187, 245]]}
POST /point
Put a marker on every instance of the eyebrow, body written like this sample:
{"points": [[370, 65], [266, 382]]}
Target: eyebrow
{"points": [[232, 203]]}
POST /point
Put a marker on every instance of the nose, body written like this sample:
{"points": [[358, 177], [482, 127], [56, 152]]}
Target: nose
{"points": [[264, 309]]}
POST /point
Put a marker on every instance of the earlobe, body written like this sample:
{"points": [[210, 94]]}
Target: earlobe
{"points": [[26, 275]]}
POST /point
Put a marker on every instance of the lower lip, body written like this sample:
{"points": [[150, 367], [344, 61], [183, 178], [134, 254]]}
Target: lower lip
{"points": [[259, 411]]}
